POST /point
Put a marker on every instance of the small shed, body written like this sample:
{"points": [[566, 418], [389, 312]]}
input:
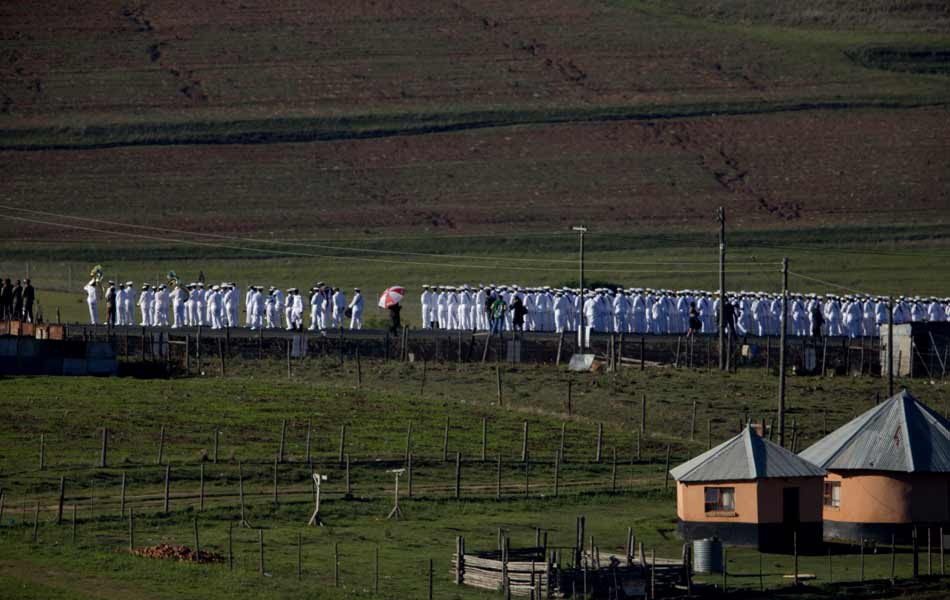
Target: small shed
{"points": [[888, 470], [750, 491]]}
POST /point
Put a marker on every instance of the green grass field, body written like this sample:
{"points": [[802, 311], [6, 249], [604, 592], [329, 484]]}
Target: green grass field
{"points": [[248, 410], [896, 260]]}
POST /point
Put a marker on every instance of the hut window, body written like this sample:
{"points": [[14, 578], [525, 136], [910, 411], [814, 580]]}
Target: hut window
{"points": [[720, 499], [833, 494]]}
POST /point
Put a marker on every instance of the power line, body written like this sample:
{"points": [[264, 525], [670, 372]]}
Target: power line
{"points": [[352, 249], [467, 266], [830, 284], [826, 250]]}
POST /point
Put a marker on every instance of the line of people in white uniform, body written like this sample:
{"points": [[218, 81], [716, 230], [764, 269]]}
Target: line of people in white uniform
{"points": [[219, 306], [667, 312], [464, 307]]}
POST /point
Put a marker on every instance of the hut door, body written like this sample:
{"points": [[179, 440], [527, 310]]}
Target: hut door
{"points": [[790, 507]]}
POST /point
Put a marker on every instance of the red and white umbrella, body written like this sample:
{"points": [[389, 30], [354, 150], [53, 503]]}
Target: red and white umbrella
{"points": [[392, 296]]}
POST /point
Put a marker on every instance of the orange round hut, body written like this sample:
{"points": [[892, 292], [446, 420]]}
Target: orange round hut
{"points": [[888, 471], [750, 491]]}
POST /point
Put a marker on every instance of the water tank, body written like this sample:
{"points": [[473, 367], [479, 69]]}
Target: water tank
{"points": [[707, 556]]}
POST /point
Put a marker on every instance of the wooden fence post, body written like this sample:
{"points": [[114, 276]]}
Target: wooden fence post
{"points": [[524, 441], [244, 522], [201, 486], [168, 469], [460, 560], [561, 447], [103, 456], [409, 475], [692, 424], [36, 521], [336, 564], [260, 545], [131, 529], [122, 497], [666, 473], [557, 472], [62, 493], [458, 475], [283, 433], [349, 489], [197, 540], [309, 458], [214, 455], [484, 437], [445, 441], [893, 556], [527, 471], [498, 381], [430, 579], [600, 438], [342, 442], [161, 446], [408, 441], [725, 569], [42, 452], [613, 473]]}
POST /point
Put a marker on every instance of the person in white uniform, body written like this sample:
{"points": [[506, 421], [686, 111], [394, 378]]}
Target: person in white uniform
{"points": [[92, 301], [356, 310]]}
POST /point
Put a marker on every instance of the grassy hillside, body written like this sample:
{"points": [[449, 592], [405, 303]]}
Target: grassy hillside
{"points": [[248, 410], [875, 15]]}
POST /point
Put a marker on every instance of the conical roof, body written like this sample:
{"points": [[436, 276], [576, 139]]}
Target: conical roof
{"points": [[901, 434], [746, 457]]}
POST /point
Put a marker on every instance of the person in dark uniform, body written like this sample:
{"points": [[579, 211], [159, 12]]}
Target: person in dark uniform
{"points": [[6, 300], [110, 305], [729, 318], [29, 296], [394, 322], [817, 320], [518, 311], [695, 325], [17, 301]]}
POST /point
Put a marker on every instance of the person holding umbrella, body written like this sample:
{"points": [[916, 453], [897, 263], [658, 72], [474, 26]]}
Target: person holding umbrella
{"points": [[390, 300]]}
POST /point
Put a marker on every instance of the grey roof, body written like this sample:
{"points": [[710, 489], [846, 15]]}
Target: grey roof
{"points": [[900, 434], [745, 457]]}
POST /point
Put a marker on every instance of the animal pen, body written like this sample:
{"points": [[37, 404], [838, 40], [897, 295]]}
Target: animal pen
{"points": [[578, 571]]}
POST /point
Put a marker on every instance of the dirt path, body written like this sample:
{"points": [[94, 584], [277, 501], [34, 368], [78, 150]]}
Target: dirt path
{"points": [[70, 581]]}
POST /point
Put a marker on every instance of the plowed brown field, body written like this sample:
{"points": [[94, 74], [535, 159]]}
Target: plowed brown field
{"points": [[789, 169], [553, 112]]}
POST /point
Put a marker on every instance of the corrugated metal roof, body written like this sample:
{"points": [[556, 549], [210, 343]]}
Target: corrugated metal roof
{"points": [[745, 457], [900, 434]]}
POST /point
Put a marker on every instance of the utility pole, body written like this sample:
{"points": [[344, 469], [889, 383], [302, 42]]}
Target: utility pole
{"points": [[721, 217], [781, 355], [580, 329], [890, 347]]}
